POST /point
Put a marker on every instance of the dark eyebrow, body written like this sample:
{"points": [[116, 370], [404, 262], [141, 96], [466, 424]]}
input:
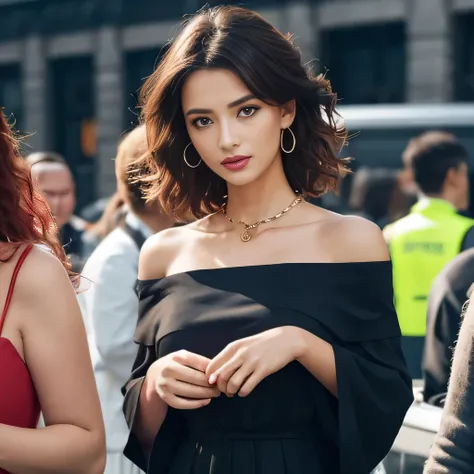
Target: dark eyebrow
{"points": [[241, 101], [233, 104], [198, 111]]}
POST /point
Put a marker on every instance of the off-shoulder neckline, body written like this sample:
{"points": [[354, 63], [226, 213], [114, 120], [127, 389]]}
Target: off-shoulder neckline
{"points": [[197, 271]]}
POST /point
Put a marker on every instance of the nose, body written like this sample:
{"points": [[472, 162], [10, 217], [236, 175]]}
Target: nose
{"points": [[228, 138]]}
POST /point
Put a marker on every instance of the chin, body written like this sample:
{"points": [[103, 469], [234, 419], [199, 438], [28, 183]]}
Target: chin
{"points": [[241, 178], [60, 223]]}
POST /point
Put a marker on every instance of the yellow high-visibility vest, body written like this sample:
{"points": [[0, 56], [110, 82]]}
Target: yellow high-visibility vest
{"points": [[421, 244]]}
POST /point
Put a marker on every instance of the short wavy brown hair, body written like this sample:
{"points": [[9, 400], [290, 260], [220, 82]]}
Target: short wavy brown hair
{"points": [[269, 64]]}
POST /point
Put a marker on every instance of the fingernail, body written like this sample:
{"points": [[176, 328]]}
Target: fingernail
{"points": [[212, 379]]}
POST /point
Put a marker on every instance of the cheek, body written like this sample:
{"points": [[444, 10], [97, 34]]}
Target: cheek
{"points": [[205, 143], [202, 142], [69, 203], [267, 124], [463, 182], [264, 133]]}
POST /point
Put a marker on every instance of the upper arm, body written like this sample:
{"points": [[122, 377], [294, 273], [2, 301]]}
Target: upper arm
{"points": [[55, 345], [157, 253], [358, 240]]}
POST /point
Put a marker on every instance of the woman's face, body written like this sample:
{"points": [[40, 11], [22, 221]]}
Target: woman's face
{"points": [[235, 134]]}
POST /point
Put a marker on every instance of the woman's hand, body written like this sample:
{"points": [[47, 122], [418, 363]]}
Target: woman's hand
{"points": [[180, 380], [243, 364]]}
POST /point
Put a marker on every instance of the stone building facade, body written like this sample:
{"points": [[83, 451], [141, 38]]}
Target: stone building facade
{"points": [[69, 69]]}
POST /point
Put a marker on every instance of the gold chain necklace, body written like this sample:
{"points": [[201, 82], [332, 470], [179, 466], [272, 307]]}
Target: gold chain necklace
{"points": [[245, 236]]}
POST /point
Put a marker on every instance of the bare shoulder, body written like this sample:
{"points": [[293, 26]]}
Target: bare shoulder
{"points": [[44, 293], [355, 239], [160, 250], [42, 275]]}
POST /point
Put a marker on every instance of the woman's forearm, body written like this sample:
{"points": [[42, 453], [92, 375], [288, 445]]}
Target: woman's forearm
{"points": [[317, 356], [151, 413], [57, 449]]}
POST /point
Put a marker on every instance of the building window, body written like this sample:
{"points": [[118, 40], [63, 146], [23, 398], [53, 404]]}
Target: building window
{"points": [[73, 114], [464, 57], [366, 65], [139, 65], [10, 94], [140, 11]]}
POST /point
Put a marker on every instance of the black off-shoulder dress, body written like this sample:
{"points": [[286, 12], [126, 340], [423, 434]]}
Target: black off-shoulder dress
{"points": [[290, 424]]}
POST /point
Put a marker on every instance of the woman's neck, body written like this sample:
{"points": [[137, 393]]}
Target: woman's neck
{"points": [[264, 197]]}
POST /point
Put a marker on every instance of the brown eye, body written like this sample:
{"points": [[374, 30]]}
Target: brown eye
{"points": [[247, 111], [202, 122]]}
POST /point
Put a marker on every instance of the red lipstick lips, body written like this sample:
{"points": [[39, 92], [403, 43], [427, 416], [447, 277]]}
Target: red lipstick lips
{"points": [[235, 163]]}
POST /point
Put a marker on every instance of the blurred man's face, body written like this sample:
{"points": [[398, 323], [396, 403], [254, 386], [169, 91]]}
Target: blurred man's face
{"points": [[407, 182], [55, 183], [460, 183]]}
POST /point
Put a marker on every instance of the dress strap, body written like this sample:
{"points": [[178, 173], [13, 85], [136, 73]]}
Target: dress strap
{"points": [[11, 288]]}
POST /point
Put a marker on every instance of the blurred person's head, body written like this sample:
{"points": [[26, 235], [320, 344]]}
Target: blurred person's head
{"points": [[376, 193], [45, 157], [439, 165], [231, 103], [24, 215], [129, 187], [54, 180]]}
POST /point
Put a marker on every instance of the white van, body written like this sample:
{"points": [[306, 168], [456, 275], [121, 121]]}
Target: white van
{"points": [[381, 132]]}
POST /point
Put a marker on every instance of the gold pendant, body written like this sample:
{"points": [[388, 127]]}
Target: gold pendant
{"points": [[245, 236]]}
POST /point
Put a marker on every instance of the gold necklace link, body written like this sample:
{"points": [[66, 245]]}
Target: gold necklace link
{"points": [[245, 236]]}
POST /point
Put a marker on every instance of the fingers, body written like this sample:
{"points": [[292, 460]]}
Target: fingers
{"points": [[189, 359], [186, 374], [223, 375], [233, 384], [186, 404], [222, 358], [249, 385], [193, 380], [186, 390]]}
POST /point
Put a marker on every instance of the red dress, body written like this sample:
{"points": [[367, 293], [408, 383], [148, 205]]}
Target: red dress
{"points": [[19, 404]]}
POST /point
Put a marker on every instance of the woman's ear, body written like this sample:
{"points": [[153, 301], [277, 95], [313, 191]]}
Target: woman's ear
{"points": [[288, 112]]}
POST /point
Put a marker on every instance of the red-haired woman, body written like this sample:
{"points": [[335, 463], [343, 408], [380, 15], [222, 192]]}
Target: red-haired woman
{"points": [[44, 359]]}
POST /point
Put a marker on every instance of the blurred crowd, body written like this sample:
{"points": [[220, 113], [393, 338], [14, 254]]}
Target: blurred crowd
{"points": [[422, 208]]}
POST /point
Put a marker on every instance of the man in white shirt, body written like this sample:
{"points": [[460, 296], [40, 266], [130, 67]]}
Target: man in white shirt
{"points": [[110, 305]]}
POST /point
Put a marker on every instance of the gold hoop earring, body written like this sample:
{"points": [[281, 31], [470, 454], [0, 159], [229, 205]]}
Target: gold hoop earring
{"points": [[281, 141], [186, 160]]}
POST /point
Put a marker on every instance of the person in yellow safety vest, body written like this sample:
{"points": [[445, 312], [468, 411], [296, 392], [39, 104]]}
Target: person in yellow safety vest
{"points": [[431, 235]]}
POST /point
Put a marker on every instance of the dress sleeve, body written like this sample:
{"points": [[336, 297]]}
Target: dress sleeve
{"points": [[374, 386], [374, 394], [145, 357], [172, 429]]}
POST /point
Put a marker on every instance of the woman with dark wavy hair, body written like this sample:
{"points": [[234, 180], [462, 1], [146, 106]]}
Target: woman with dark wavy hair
{"points": [[44, 359], [268, 342]]}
